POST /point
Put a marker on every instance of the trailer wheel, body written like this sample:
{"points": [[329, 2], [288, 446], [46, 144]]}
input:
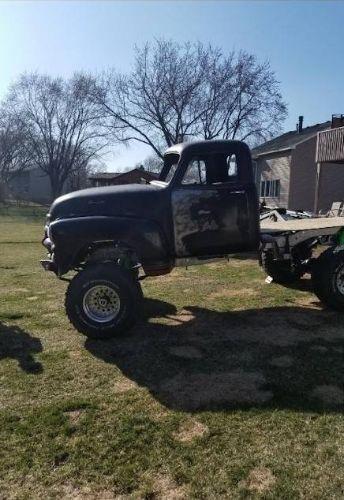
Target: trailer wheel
{"points": [[328, 278], [281, 271], [103, 300]]}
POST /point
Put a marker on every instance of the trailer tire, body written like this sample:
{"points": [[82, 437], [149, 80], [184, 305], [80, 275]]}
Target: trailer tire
{"points": [[281, 271], [328, 278], [103, 300]]}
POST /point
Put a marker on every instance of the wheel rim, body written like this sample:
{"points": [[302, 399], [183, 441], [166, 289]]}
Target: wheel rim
{"points": [[101, 303], [339, 279]]}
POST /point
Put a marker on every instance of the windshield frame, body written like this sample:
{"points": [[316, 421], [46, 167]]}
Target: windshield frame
{"points": [[171, 164]]}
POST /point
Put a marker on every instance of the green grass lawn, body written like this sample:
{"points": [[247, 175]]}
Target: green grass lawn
{"points": [[228, 388]]}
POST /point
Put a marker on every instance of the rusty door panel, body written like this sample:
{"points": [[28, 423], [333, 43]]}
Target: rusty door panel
{"points": [[210, 221]]}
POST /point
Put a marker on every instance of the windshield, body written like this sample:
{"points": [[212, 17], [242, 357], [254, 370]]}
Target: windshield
{"points": [[170, 166]]}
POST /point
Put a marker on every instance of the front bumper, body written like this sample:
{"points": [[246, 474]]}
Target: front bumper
{"points": [[48, 264]]}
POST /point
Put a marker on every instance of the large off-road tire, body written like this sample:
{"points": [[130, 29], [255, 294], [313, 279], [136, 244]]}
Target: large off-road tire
{"points": [[328, 278], [103, 300], [281, 271]]}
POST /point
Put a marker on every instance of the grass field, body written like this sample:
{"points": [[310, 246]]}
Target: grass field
{"points": [[229, 388]]}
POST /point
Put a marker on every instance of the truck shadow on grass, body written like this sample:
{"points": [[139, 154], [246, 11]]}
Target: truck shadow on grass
{"points": [[202, 359], [17, 344]]}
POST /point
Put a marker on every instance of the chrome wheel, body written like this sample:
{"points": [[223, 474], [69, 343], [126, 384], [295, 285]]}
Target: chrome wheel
{"points": [[101, 303], [339, 279]]}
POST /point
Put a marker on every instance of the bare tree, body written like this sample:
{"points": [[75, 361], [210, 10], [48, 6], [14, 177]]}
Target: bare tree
{"points": [[15, 154], [175, 92], [62, 125], [153, 163]]}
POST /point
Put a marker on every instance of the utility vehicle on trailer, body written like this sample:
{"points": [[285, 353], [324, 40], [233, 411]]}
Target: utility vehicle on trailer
{"points": [[203, 206]]}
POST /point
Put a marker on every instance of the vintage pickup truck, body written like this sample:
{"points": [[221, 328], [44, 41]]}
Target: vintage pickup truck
{"points": [[203, 206]]}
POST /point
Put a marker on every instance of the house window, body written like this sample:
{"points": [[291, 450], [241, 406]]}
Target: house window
{"points": [[270, 189]]}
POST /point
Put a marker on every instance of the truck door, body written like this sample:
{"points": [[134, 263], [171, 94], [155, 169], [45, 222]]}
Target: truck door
{"points": [[215, 207]]}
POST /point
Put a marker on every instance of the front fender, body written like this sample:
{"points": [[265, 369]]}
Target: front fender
{"points": [[72, 238]]}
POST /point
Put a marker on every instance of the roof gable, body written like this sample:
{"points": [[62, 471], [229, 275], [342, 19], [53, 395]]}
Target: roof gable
{"points": [[289, 140]]}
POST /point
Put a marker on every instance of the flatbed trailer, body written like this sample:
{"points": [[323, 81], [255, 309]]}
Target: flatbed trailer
{"points": [[288, 251]]}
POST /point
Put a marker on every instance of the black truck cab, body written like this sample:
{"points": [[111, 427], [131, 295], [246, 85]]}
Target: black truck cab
{"points": [[214, 208]]}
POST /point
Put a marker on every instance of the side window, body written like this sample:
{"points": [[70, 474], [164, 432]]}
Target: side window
{"points": [[195, 173], [270, 188], [232, 166]]}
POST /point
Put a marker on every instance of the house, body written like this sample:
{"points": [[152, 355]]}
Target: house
{"points": [[288, 173], [133, 176], [33, 185]]}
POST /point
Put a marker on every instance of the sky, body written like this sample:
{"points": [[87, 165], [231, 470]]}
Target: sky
{"points": [[303, 40]]}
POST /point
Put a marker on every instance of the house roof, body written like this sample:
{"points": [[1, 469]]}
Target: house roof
{"points": [[104, 175], [289, 140], [113, 175]]}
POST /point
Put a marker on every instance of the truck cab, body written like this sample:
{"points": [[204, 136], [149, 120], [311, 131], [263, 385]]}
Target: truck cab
{"points": [[214, 208]]}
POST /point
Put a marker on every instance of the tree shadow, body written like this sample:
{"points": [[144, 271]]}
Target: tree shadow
{"points": [[17, 344], [202, 359]]}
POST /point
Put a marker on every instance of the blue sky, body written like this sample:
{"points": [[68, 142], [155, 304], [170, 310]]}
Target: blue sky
{"points": [[302, 40]]}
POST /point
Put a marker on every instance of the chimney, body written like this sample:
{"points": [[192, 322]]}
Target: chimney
{"points": [[300, 125]]}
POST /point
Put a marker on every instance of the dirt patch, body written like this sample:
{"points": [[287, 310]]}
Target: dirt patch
{"points": [[159, 415], [70, 492], [190, 430], [245, 357], [164, 487], [177, 319], [74, 415], [309, 302], [329, 395], [282, 361], [34, 297], [13, 290], [319, 348], [227, 389], [259, 480], [247, 292], [186, 351], [124, 385]]}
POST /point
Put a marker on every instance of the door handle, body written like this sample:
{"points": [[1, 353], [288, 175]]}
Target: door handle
{"points": [[237, 192], [204, 212]]}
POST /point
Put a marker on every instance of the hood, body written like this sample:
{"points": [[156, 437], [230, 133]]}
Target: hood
{"points": [[132, 200]]}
